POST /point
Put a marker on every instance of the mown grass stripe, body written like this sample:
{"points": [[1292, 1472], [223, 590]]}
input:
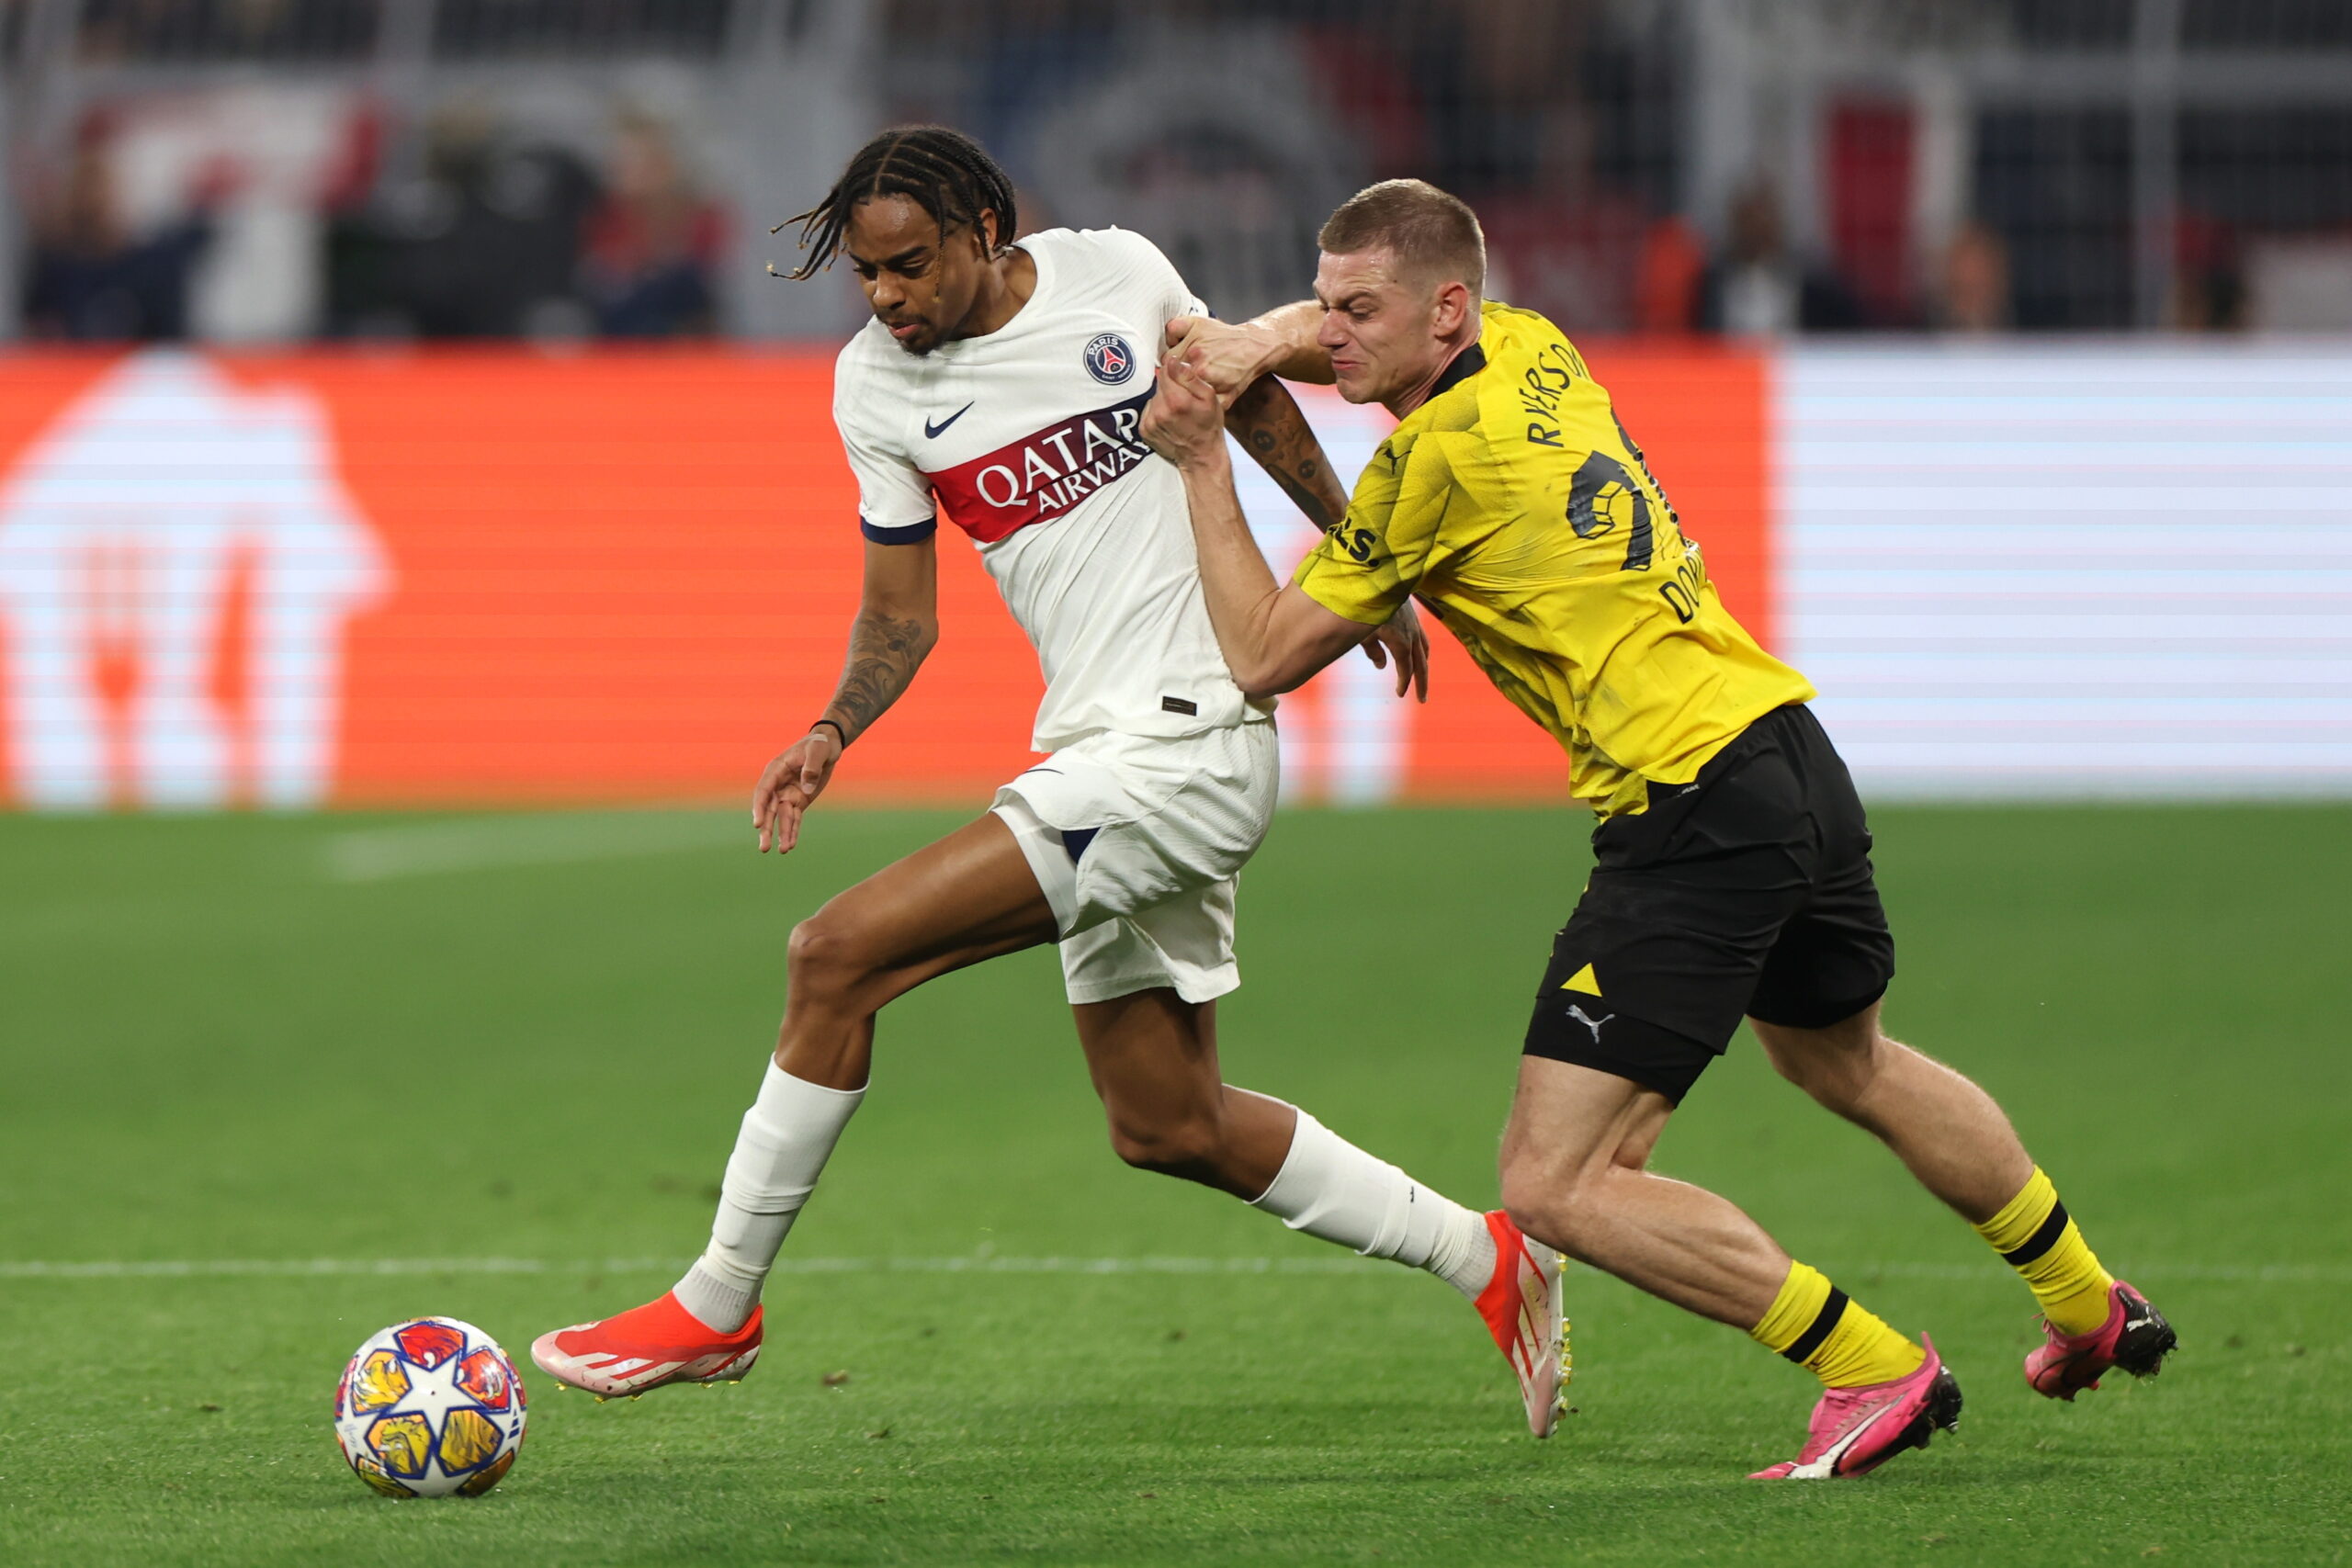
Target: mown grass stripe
{"points": [[299, 1268]]}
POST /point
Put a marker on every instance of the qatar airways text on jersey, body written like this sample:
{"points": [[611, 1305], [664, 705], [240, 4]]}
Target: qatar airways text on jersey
{"points": [[1045, 474]]}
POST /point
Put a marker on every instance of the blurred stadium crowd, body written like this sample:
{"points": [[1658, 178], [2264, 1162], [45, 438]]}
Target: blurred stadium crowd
{"points": [[258, 171]]}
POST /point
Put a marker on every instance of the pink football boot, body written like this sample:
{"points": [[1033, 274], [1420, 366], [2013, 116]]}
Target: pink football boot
{"points": [[2135, 1337], [1855, 1430]]}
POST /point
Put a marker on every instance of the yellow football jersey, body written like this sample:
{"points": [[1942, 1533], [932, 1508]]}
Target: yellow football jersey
{"points": [[1515, 506]]}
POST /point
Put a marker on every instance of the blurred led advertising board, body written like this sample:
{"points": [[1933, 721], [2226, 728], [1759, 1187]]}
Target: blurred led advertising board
{"points": [[452, 577], [2086, 571]]}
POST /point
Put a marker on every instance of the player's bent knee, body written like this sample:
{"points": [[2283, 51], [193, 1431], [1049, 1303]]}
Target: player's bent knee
{"points": [[1549, 1204], [1528, 1211], [1836, 1065], [828, 952], [1185, 1146], [1793, 1057]]}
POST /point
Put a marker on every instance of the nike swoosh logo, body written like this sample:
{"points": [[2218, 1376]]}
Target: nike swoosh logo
{"points": [[931, 432]]}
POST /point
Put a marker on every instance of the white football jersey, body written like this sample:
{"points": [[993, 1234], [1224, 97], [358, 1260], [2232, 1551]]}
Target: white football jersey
{"points": [[1027, 440]]}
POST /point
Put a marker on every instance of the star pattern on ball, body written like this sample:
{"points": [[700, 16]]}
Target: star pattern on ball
{"points": [[430, 1407]]}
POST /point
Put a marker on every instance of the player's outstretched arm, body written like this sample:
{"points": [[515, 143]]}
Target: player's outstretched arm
{"points": [[1273, 429], [1234, 354], [1272, 637], [897, 626]]}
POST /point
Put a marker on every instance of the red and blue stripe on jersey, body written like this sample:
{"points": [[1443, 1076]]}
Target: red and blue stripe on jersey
{"points": [[1042, 476]]}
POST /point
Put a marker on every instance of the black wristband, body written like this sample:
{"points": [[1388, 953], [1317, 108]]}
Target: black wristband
{"points": [[836, 728]]}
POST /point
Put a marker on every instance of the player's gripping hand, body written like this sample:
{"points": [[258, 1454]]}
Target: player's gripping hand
{"points": [[789, 785], [1231, 355], [1400, 641], [1184, 421]]}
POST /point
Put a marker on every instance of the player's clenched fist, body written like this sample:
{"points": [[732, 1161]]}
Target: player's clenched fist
{"points": [[789, 785], [1230, 355], [1184, 421]]}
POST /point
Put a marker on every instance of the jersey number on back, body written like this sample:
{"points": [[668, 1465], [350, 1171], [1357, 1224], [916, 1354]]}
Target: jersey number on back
{"points": [[1604, 495]]}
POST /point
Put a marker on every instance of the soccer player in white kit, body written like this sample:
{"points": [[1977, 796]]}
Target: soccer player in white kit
{"points": [[1005, 385]]}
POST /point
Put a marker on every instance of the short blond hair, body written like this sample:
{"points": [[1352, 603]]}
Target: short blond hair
{"points": [[1434, 236]]}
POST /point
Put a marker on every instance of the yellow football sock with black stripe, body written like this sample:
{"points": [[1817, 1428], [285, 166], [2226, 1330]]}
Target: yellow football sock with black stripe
{"points": [[2035, 1235], [1815, 1325]]}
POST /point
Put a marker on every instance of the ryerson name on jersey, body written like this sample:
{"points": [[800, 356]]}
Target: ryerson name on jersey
{"points": [[1028, 438]]}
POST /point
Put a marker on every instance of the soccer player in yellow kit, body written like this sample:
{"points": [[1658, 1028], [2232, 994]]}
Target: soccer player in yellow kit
{"points": [[1732, 873]]}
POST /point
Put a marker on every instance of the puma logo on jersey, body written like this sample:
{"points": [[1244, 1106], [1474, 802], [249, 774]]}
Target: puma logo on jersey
{"points": [[1576, 1011]]}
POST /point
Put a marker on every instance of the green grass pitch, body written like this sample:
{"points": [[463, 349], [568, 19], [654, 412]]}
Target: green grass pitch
{"points": [[353, 1039]]}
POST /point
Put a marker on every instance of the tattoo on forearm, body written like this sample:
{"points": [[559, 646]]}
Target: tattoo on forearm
{"points": [[1268, 420], [1311, 502], [883, 654]]}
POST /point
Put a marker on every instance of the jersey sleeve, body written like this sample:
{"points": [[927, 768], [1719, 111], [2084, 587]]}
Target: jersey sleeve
{"points": [[1371, 563], [1152, 274], [894, 501]]}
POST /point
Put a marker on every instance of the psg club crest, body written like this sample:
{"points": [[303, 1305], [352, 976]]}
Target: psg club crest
{"points": [[1109, 360]]}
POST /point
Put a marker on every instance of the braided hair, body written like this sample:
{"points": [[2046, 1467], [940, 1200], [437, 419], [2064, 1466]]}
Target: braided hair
{"points": [[944, 172]]}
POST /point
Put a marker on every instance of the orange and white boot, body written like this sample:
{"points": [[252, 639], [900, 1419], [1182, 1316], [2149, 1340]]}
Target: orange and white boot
{"points": [[647, 1347], [1523, 1311]]}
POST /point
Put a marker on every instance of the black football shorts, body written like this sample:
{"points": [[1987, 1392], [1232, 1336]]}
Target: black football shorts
{"points": [[1746, 891]]}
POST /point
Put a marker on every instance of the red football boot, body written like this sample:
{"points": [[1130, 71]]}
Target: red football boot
{"points": [[1523, 1311], [647, 1347]]}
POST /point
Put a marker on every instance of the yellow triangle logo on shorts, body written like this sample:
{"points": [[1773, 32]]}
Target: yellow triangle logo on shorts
{"points": [[1583, 980]]}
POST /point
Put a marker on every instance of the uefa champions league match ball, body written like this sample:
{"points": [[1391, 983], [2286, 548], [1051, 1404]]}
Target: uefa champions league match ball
{"points": [[430, 1408]]}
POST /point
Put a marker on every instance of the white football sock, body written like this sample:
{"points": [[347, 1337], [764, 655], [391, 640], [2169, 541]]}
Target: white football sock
{"points": [[1329, 1187], [789, 1134]]}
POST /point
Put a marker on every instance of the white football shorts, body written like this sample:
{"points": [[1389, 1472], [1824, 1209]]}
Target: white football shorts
{"points": [[1137, 843]]}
